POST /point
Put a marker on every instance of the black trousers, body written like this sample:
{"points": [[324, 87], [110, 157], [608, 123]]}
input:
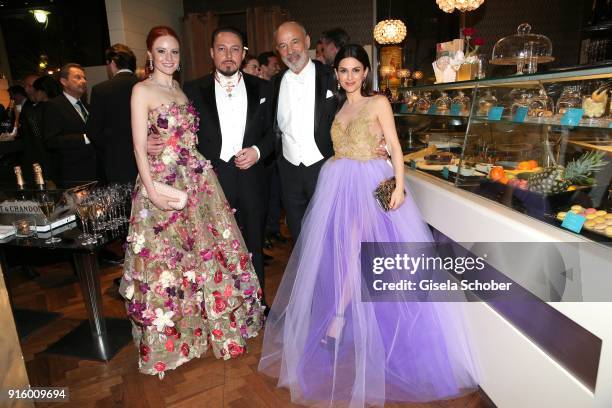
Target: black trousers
{"points": [[274, 198], [245, 191], [298, 184]]}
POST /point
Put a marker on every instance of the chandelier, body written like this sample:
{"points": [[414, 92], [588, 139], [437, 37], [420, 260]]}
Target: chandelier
{"points": [[389, 32], [448, 6]]}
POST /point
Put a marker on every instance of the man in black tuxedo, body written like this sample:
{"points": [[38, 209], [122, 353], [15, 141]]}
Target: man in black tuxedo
{"points": [[235, 135], [305, 106], [110, 125], [64, 129]]}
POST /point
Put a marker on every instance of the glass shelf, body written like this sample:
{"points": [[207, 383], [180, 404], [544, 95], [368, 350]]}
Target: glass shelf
{"points": [[515, 81]]}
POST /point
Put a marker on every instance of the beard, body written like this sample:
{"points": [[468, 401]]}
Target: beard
{"points": [[227, 69], [298, 63]]}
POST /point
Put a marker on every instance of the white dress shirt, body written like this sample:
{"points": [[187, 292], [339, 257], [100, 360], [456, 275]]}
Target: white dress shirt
{"points": [[73, 101], [296, 107], [232, 112]]}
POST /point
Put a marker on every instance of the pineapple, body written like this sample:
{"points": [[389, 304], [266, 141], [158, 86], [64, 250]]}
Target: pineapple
{"points": [[556, 179]]}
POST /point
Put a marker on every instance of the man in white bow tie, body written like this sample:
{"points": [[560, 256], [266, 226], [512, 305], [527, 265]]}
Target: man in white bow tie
{"points": [[305, 106], [235, 135]]}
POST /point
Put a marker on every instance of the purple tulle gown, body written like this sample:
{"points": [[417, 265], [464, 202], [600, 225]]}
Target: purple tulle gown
{"points": [[388, 351]]}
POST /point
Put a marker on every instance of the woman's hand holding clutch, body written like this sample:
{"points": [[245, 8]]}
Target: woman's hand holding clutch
{"points": [[163, 202], [397, 199], [166, 197]]}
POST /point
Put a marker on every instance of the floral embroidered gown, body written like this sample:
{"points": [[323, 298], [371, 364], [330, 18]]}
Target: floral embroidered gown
{"points": [[188, 277]]}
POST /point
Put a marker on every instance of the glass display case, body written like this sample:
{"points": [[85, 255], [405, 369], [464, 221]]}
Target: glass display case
{"points": [[540, 144]]}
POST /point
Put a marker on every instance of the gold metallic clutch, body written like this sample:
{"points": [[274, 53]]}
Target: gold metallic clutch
{"points": [[383, 193]]}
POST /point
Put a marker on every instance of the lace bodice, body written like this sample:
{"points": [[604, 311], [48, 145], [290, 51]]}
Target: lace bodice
{"points": [[356, 141]]}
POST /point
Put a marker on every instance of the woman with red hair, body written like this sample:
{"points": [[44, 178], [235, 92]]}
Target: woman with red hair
{"points": [[188, 277]]}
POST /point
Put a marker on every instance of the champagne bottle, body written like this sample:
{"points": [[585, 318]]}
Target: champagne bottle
{"points": [[20, 183], [19, 175], [38, 176]]}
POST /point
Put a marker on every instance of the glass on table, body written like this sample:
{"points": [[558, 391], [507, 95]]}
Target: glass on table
{"points": [[83, 211], [46, 203]]}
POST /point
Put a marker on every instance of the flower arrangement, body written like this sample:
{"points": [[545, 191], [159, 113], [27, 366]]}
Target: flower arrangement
{"points": [[472, 43]]}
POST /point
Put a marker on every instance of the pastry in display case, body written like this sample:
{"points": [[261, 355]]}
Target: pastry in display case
{"points": [[544, 155]]}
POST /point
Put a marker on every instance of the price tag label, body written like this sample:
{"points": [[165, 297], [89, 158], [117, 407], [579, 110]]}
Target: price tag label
{"points": [[445, 172], [573, 222], [495, 113], [520, 114], [433, 109], [572, 117], [455, 109]]}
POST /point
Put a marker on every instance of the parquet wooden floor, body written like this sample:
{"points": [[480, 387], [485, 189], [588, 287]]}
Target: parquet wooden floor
{"points": [[206, 382]]}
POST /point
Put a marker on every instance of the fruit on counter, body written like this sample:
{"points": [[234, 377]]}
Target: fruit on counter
{"points": [[590, 216], [589, 224], [578, 208], [527, 165], [561, 215], [556, 179], [496, 173], [609, 231], [504, 180], [601, 213], [590, 211]]}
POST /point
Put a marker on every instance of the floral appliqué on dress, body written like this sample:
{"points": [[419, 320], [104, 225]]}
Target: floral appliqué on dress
{"points": [[188, 277]]}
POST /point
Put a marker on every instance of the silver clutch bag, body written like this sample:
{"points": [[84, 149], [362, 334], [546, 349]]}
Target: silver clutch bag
{"points": [[179, 197]]}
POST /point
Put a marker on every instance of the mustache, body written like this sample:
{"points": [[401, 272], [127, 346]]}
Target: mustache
{"points": [[229, 62]]}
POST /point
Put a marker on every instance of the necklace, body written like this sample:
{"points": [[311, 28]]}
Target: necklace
{"points": [[169, 87], [229, 87]]}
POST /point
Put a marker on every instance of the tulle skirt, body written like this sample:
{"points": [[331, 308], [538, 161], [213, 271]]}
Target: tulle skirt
{"points": [[387, 351]]}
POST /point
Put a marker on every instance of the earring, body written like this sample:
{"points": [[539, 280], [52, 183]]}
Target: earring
{"points": [[338, 85], [151, 64], [363, 85], [178, 67]]}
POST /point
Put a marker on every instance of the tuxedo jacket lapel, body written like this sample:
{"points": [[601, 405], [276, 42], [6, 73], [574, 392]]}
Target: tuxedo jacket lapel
{"points": [[208, 97], [276, 92], [252, 101], [320, 89], [71, 111]]}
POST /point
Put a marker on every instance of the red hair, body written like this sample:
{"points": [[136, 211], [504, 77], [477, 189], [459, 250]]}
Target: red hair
{"points": [[154, 34]]}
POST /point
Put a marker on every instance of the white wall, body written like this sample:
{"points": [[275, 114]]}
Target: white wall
{"points": [[129, 21]]}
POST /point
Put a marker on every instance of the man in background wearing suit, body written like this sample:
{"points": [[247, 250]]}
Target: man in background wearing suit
{"points": [[64, 129], [110, 127], [235, 135]]}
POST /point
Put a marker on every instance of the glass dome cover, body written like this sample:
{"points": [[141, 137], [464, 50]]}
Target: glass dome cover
{"points": [[523, 49]]}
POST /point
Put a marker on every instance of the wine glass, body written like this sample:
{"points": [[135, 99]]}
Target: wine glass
{"points": [[97, 212], [47, 206], [83, 211]]}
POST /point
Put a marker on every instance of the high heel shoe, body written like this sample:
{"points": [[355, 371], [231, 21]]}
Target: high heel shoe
{"points": [[334, 333]]}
